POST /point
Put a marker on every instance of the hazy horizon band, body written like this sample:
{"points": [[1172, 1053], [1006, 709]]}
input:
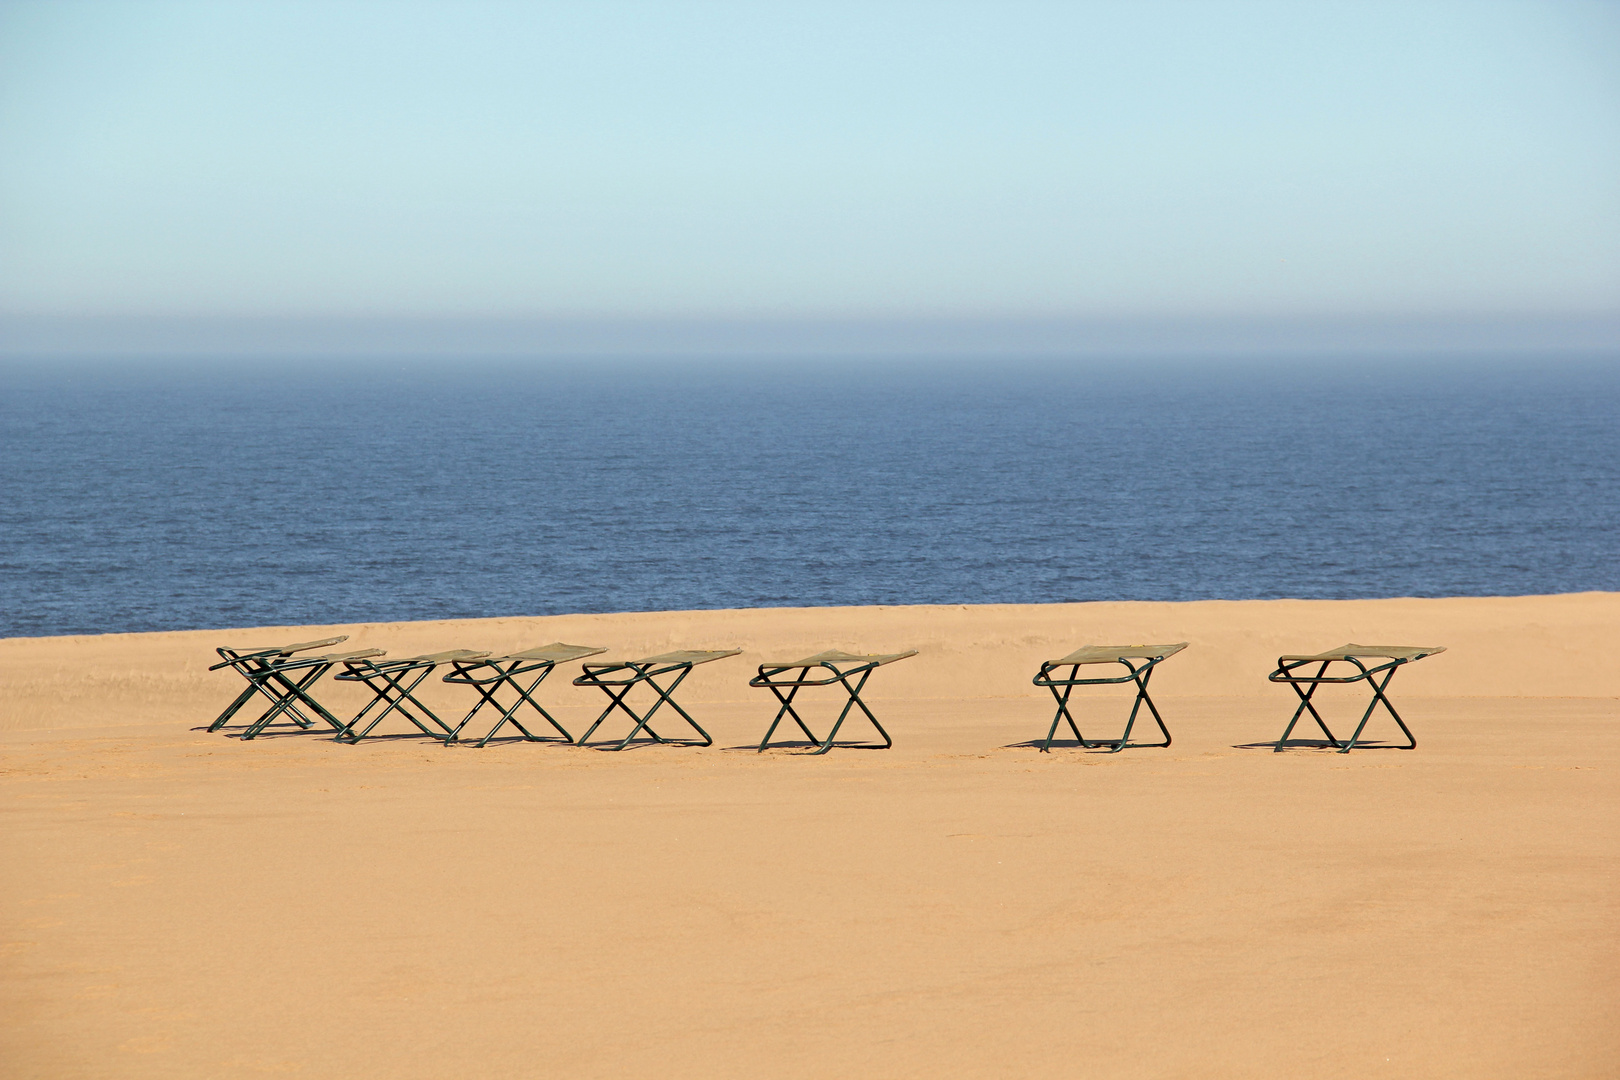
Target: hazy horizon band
{"points": [[46, 336]]}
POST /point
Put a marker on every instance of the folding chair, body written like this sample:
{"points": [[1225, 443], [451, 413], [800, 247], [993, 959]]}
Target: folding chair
{"points": [[392, 684], [1353, 654], [488, 675], [844, 667], [1138, 660], [285, 679], [648, 670]]}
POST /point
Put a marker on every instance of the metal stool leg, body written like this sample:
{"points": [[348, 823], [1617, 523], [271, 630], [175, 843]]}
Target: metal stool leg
{"points": [[1063, 712], [787, 709], [855, 701], [1305, 704], [1378, 696]]}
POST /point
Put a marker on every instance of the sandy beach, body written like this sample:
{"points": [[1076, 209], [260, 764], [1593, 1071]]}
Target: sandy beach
{"points": [[184, 904]]}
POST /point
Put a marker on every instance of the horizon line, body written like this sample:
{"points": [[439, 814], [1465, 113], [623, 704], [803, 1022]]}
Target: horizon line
{"points": [[110, 336]]}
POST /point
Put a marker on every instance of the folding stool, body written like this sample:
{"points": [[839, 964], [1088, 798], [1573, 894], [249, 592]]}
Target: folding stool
{"points": [[1353, 654], [1138, 660], [488, 675], [843, 667], [392, 684], [648, 670], [285, 679], [251, 662]]}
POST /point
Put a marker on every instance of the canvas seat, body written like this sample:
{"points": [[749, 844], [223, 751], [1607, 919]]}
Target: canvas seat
{"points": [[1138, 661], [840, 667], [1393, 656]]}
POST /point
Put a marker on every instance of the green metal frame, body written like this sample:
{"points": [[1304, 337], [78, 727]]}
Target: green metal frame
{"points": [[285, 680], [844, 667], [1287, 672], [392, 684], [1150, 657], [487, 676], [648, 670]]}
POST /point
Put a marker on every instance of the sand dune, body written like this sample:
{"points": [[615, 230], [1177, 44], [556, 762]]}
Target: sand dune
{"points": [[184, 904]]}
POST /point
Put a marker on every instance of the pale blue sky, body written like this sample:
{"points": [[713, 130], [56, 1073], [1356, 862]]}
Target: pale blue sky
{"points": [[804, 161]]}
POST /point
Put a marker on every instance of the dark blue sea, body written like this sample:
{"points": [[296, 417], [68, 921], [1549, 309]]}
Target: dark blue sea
{"points": [[156, 496]]}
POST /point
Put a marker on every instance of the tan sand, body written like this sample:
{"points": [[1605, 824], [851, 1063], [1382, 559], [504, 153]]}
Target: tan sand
{"points": [[180, 904]]}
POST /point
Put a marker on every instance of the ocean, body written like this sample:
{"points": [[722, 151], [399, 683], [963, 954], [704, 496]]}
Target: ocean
{"points": [[168, 495]]}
